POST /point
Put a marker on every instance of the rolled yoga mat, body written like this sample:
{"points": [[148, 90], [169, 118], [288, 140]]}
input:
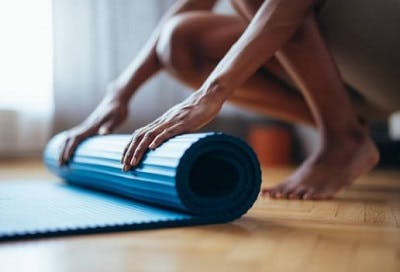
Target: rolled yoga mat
{"points": [[191, 179]]}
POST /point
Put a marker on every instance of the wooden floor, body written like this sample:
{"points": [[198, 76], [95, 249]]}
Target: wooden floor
{"points": [[357, 231]]}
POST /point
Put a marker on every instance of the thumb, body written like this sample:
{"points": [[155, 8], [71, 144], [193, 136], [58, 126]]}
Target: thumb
{"points": [[106, 128]]}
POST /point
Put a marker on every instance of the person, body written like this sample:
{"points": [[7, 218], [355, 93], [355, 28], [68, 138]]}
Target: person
{"points": [[270, 57]]}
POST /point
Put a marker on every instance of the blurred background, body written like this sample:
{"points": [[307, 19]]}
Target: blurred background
{"points": [[57, 56]]}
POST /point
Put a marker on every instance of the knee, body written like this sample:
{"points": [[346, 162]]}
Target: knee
{"points": [[174, 46]]}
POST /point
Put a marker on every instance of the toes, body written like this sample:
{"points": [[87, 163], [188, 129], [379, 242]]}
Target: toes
{"points": [[298, 193], [281, 194], [271, 192], [289, 192], [274, 192], [285, 191], [281, 191], [308, 195], [267, 191]]}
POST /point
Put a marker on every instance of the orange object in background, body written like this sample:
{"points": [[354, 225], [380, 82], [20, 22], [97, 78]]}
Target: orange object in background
{"points": [[272, 144]]}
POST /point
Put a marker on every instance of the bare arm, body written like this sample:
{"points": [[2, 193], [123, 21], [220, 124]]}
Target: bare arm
{"points": [[113, 109], [273, 25], [146, 63]]}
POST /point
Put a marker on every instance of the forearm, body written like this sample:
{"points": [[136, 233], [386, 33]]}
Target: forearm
{"points": [[146, 63], [272, 26]]}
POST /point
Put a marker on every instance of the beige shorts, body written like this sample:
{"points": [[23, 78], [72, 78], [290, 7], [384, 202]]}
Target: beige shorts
{"points": [[364, 38]]}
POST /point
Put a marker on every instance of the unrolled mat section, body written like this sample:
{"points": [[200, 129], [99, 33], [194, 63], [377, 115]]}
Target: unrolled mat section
{"points": [[190, 179]]}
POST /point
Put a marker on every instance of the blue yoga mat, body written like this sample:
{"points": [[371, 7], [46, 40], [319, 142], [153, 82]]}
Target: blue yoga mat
{"points": [[191, 179]]}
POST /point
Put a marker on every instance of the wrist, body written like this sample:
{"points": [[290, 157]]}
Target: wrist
{"points": [[117, 93], [217, 89]]}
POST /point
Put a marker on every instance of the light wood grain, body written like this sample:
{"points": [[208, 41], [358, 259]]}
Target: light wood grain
{"points": [[357, 231]]}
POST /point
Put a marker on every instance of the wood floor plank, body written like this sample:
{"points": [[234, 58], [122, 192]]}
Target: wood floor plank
{"points": [[359, 230]]}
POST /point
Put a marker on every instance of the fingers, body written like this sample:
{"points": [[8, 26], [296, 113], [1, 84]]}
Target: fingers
{"points": [[71, 146], [138, 146], [102, 121], [124, 153], [61, 160], [75, 137], [165, 135], [147, 138], [68, 149], [142, 147], [129, 150], [130, 147]]}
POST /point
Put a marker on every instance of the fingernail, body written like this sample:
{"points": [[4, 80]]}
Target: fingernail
{"points": [[151, 146], [125, 168], [133, 161]]}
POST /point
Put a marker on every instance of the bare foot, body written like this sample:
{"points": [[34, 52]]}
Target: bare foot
{"points": [[324, 173]]}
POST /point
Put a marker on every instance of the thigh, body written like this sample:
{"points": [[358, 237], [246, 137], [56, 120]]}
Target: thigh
{"points": [[363, 38], [192, 43], [212, 34], [210, 37]]}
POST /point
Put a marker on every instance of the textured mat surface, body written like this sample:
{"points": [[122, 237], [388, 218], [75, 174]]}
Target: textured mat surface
{"points": [[190, 179]]}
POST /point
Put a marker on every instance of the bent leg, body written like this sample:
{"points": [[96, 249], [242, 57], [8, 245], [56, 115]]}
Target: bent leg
{"points": [[246, 9], [190, 46], [345, 150]]}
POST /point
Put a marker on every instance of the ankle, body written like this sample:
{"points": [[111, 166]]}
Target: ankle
{"points": [[352, 136]]}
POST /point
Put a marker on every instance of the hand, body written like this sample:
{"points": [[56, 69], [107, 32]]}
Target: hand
{"points": [[187, 116], [109, 114]]}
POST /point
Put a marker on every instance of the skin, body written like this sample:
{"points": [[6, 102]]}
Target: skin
{"points": [[247, 59]]}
